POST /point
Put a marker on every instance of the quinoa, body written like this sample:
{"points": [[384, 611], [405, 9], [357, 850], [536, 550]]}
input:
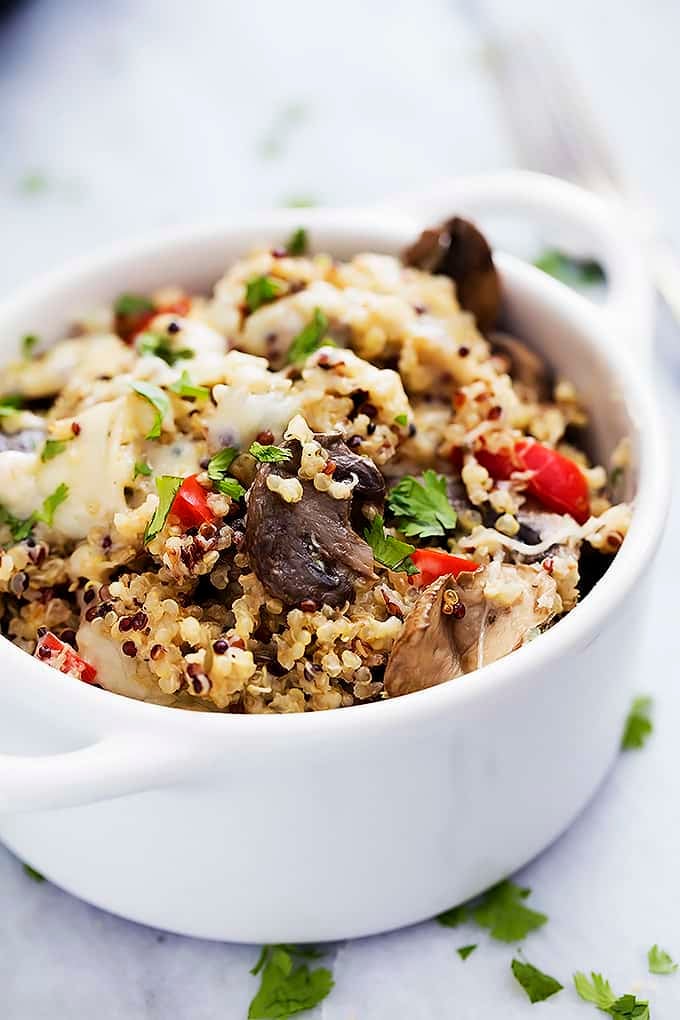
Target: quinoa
{"points": [[183, 613]]}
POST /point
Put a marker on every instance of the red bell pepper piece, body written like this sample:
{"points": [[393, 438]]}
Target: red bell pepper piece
{"points": [[556, 481], [434, 563], [191, 503], [57, 653]]}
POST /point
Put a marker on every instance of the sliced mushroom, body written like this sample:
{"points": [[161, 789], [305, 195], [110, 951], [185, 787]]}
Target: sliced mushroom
{"points": [[437, 645], [526, 367], [457, 249], [309, 549]]}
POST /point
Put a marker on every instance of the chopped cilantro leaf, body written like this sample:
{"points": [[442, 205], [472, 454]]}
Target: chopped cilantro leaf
{"points": [[28, 344], [504, 913], [167, 487], [217, 470], [185, 388], [638, 725], [401, 419], [389, 551], [465, 951], [422, 509], [52, 448], [262, 290], [10, 405], [297, 242], [51, 503], [660, 962], [453, 917], [269, 454], [309, 339], [575, 272], [595, 989], [142, 468], [628, 1007], [32, 873], [287, 986], [299, 202], [536, 984], [133, 304], [158, 345], [158, 400]]}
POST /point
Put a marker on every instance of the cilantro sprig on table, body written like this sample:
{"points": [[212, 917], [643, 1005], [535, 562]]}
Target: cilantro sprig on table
{"points": [[597, 990], [422, 509], [391, 552], [287, 985], [501, 909], [536, 984], [638, 726], [660, 962]]}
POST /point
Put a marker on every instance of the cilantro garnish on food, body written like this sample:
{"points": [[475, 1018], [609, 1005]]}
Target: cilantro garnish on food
{"points": [[401, 419], [597, 990], [33, 874], [52, 448], [142, 468], [422, 509], [28, 344], [660, 962], [158, 345], [575, 272], [184, 387], [391, 552], [638, 724], [262, 290], [19, 530], [310, 339], [218, 467], [465, 951], [269, 454], [536, 984], [158, 400], [10, 405], [287, 985], [297, 242], [133, 304], [167, 487]]}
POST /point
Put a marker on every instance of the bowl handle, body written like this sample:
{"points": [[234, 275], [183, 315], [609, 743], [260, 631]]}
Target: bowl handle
{"points": [[113, 766], [600, 226]]}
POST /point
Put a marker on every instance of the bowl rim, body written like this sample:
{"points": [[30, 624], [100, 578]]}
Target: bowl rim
{"points": [[575, 630]]}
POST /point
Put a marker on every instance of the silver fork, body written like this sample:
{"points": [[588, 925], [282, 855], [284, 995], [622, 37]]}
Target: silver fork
{"points": [[554, 131]]}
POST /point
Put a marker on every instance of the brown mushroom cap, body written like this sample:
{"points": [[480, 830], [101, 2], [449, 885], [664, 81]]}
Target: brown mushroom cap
{"points": [[459, 250], [309, 549], [435, 645]]}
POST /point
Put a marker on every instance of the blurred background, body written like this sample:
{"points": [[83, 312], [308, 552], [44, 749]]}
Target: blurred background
{"points": [[119, 117]]}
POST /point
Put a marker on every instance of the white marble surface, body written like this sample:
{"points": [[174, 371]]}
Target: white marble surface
{"points": [[118, 117]]}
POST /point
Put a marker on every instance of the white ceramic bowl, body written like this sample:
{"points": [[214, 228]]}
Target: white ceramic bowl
{"points": [[339, 824]]}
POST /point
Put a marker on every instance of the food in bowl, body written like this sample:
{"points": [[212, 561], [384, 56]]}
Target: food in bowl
{"points": [[325, 484]]}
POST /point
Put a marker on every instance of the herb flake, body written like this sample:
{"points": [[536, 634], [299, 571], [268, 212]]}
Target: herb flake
{"points": [[422, 509], [502, 910], [269, 454], [158, 400], [638, 725], [287, 985], [401, 419], [297, 242], [391, 552], [536, 984], [660, 962], [167, 487], [454, 916], [133, 304], [28, 344], [10, 405], [575, 272], [465, 951], [218, 466], [158, 345], [184, 387], [52, 448], [142, 468], [309, 339], [262, 290], [33, 874]]}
